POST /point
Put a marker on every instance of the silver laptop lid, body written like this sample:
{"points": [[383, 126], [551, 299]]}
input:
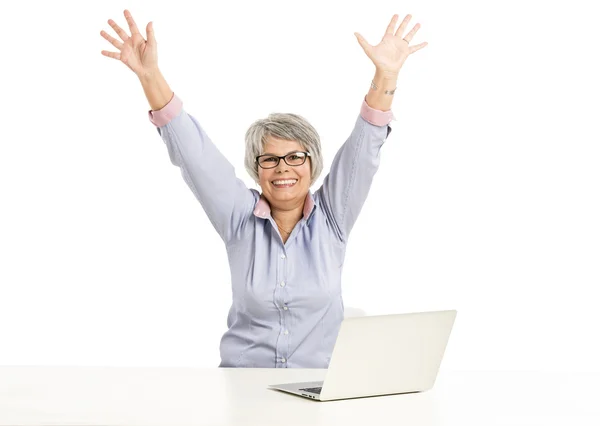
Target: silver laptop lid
{"points": [[387, 354]]}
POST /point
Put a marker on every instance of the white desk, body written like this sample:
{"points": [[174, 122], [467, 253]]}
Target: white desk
{"points": [[186, 396]]}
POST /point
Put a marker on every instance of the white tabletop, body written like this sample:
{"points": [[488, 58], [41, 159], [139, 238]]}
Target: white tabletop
{"points": [[222, 396]]}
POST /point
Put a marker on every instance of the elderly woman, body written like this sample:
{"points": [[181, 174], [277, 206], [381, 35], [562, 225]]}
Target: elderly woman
{"points": [[286, 245]]}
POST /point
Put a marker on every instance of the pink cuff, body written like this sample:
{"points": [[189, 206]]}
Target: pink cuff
{"points": [[375, 116], [163, 116]]}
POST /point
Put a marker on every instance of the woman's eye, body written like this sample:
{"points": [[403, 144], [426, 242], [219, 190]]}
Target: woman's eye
{"points": [[294, 157], [270, 159]]}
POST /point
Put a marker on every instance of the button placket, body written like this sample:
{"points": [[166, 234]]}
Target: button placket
{"points": [[282, 344]]}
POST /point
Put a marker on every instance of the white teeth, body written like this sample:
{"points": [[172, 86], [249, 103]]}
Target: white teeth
{"points": [[284, 182]]}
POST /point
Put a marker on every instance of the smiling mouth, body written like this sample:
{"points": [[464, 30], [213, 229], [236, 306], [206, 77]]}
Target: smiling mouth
{"points": [[284, 183]]}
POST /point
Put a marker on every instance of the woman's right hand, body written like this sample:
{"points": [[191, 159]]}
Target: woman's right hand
{"points": [[138, 54]]}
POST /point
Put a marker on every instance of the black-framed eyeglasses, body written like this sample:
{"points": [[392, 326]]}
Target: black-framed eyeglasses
{"points": [[269, 161]]}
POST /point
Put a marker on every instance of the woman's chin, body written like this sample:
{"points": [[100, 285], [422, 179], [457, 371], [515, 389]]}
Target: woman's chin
{"points": [[285, 195]]}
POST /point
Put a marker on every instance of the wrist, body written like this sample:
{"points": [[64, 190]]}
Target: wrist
{"points": [[388, 77], [381, 93], [156, 89], [148, 75]]}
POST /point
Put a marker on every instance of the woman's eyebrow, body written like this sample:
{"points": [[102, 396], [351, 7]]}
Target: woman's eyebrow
{"points": [[275, 155]]}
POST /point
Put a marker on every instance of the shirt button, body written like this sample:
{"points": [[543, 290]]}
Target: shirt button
{"points": [[286, 332], [282, 284], [282, 256], [285, 308], [282, 359]]}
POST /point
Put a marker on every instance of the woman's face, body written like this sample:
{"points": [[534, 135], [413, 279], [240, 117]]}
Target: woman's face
{"points": [[284, 186]]}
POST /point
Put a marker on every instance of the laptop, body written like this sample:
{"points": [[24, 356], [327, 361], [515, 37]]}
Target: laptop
{"points": [[382, 355]]}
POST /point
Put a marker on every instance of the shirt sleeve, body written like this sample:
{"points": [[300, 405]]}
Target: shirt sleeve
{"points": [[346, 186], [225, 198]]}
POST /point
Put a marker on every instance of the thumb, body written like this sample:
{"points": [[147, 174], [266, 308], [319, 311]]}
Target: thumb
{"points": [[363, 43], [150, 34]]}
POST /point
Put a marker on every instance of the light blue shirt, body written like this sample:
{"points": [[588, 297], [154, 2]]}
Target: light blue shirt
{"points": [[287, 303]]}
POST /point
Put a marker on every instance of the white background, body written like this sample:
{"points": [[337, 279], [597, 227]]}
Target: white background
{"points": [[486, 201]]}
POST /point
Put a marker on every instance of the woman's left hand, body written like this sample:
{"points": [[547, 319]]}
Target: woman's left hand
{"points": [[389, 55]]}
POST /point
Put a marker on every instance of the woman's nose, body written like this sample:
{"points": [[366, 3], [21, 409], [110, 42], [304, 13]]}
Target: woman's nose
{"points": [[281, 167]]}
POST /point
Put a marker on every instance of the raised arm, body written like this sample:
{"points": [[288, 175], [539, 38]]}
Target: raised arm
{"points": [[346, 187], [225, 198]]}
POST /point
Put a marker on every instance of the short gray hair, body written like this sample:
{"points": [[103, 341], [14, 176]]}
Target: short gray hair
{"points": [[286, 126]]}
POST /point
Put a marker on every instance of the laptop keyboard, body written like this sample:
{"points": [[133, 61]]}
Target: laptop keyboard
{"points": [[313, 390]]}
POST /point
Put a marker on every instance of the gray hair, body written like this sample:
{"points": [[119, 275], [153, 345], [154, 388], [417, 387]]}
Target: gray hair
{"points": [[286, 126]]}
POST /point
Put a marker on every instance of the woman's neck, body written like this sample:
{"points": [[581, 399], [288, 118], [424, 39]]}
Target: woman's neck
{"points": [[287, 219]]}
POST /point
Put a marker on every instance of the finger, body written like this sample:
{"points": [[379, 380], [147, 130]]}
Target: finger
{"points": [[112, 40], [118, 30], [403, 25], [131, 23], [114, 55], [363, 43], [392, 25], [413, 49], [408, 37], [150, 33]]}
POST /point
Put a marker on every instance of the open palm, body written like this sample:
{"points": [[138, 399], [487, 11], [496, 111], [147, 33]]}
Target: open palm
{"points": [[391, 52], [134, 51]]}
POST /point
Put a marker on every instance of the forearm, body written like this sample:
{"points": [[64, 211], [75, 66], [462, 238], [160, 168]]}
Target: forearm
{"points": [[156, 89], [377, 98]]}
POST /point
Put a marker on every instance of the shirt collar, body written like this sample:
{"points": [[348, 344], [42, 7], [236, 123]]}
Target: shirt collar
{"points": [[262, 208]]}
